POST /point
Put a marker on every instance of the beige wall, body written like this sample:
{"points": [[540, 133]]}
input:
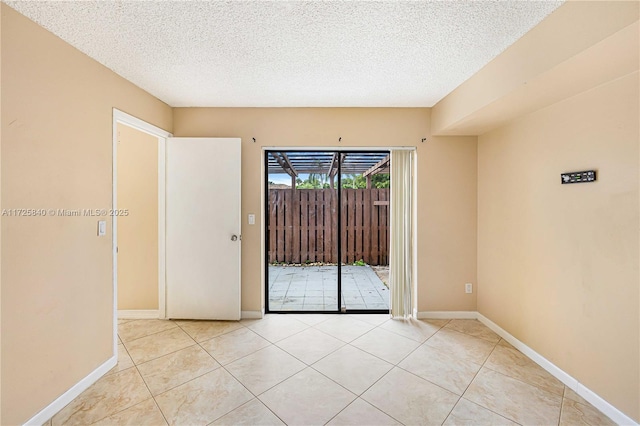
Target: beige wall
{"points": [[138, 230], [446, 187], [558, 264], [57, 318]]}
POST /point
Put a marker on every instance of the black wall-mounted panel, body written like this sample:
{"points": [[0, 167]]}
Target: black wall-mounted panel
{"points": [[578, 177]]}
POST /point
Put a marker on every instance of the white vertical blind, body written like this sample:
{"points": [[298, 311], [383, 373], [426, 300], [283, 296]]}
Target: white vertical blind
{"points": [[401, 247]]}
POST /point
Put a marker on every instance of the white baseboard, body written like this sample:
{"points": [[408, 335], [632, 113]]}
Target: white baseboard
{"points": [[64, 399], [251, 315], [447, 315], [607, 409], [138, 314]]}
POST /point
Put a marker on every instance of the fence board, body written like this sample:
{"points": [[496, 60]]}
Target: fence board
{"points": [[313, 206], [295, 248], [366, 225], [357, 226], [288, 229], [384, 230], [303, 225], [304, 230], [334, 226], [326, 226], [375, 228]]}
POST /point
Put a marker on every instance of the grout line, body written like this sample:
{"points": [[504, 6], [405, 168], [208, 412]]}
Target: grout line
{"points": [[307, 327], [158, 407], [145, 384], [150, 334], [474, 378]]}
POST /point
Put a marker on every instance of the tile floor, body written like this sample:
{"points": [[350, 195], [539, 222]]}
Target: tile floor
{"points": [[314, 288], [323, 369]]}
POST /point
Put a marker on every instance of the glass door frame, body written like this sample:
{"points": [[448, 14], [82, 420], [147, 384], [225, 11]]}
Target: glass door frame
{"points": [[266, 216]]}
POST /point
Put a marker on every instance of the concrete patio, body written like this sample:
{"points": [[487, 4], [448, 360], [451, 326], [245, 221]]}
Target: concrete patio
{"points": [[315, 288]]}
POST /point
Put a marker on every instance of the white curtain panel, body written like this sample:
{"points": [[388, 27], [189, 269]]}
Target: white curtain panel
{"points": [[401, 250]]}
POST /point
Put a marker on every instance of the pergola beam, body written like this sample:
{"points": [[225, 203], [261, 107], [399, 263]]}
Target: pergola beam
{"points": [[284, 162], [384, 163], [333, 167]]}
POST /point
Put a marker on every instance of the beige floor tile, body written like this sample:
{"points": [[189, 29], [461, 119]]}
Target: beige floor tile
{"points": [[205, 330], [413, 329], [374, 319], [389, 346], [442, 368], [264, 369], [466, 347], [312, 319], [511, 362], [132, 330], [145, 413], [345, 328], [569, 393], [506, 344], [353, 368], [362, 413], [437, 322], [410, 399], [576, 413], [473, 328], [203, 400], [505, 396], [109, 395], [235, 345], [169, 371], [252, 413], [310, 345], [159, 344], [124, 361], [277, 327], [246, 322], [467, 413], [297, 400], [192, 388]]}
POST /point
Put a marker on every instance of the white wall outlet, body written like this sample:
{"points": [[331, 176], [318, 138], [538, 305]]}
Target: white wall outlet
{"points": [[252, 219], [102, 228], [468, 288]]}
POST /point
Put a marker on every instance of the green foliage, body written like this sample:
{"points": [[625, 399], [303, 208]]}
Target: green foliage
{"points": [[381, 180], [359, 263], [359, 182], [351, 181], [314, 181]]}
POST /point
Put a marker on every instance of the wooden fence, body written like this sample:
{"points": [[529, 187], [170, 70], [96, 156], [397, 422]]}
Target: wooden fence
{"points": [[303, 225]]}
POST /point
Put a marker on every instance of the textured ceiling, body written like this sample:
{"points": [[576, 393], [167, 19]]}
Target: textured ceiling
{"points": [[291, 53]]}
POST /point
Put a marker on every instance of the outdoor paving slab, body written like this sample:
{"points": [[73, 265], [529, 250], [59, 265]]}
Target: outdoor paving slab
{"points": [[315, 288]]}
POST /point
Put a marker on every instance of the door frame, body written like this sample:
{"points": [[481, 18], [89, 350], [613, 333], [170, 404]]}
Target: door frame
{"points": [[264, 211], [121, 117]]}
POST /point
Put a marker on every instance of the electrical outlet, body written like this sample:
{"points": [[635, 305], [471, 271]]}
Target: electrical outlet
{"points": [[468, 288]]}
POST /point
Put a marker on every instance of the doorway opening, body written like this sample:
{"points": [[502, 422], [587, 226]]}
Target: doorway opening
{"points": [[327, 231]]}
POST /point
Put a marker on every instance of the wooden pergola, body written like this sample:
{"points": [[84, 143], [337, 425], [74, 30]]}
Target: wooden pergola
{"points": [[295, 163]]}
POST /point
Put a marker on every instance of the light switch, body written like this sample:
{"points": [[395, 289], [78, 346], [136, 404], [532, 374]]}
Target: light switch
{"points": [[252, 219], [102, 228]]}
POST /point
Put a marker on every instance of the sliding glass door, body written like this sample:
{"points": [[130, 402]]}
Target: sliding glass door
{"points": [[364, 231], [326, 231]]}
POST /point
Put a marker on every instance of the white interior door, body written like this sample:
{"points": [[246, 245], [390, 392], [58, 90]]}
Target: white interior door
{"points": [[203, 228]]}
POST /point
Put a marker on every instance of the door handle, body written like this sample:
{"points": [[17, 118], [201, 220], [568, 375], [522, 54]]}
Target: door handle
{"points": [[234, 238]]}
